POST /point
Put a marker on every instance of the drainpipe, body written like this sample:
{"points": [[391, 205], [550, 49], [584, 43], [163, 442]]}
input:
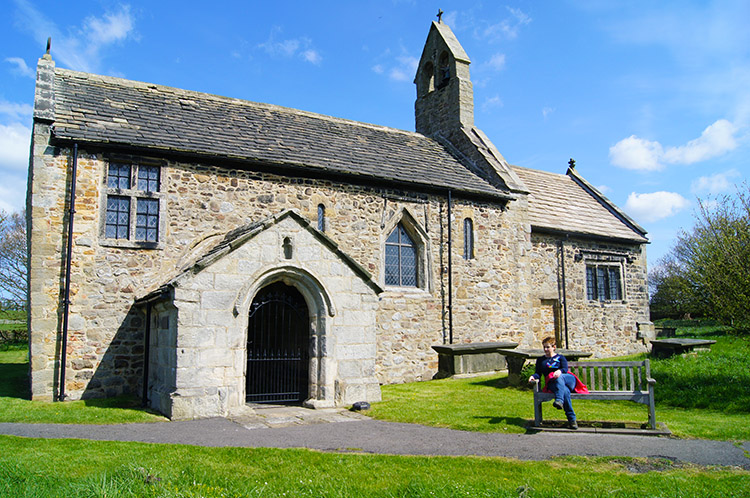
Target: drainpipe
{"points": [[564, 296], [442, 272], [68, 263], [146, 345], [450, 270]]}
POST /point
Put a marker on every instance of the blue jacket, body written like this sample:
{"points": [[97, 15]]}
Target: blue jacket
{"points": [[544, 365]]}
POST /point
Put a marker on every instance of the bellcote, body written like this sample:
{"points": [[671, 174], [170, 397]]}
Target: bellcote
{"points": [[445, 96], [444, 109]]}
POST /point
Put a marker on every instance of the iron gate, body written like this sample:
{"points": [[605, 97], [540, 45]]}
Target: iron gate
{"points": [[278, 360]]}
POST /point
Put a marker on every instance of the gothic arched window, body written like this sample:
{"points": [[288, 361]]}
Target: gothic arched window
{"points": [[400, 259]]}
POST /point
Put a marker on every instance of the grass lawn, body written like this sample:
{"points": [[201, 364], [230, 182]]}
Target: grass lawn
{"points": [[65, 468], [16, 405], [703, 395]]}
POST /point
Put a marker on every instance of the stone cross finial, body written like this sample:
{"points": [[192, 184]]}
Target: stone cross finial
{"points": [[572, 163], [440, 15]]}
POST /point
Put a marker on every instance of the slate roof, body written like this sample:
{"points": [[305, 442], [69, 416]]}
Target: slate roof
{"points": [[567, 203], [104, 110]]}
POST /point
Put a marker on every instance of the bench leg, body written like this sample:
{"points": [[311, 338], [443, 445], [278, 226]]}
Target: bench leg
{"points": [[537, 412], [651, 408]]}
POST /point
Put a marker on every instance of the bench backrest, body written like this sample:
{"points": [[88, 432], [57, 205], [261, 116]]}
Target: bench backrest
{"points": [[613, 375]]}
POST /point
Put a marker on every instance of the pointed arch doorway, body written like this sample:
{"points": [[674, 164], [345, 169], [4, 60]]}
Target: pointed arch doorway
{"points": [[278, 338]]}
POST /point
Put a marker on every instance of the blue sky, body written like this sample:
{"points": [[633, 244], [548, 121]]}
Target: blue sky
{"points": [[652, 99]]}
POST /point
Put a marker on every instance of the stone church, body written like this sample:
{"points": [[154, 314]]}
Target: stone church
{"points": [[206, 252]]}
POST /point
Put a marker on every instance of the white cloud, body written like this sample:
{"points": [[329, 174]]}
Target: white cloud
{"points": [[644, 155], [655, 206], [112, 28], [497, 62], [404, 69], [12, 192], [378, 68], [15, 111], [507, 28], [714, 141], [492, 103], [21, 67], [636, 153], [546, 111], [78, 48], [292, 47], [14, 146], [312, 56], [715, 184]]}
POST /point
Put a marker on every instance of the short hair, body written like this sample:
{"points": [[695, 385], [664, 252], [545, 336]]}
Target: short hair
{"points": [[549, 340]]}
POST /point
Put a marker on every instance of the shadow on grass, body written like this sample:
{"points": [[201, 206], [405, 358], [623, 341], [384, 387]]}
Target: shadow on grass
{"points": [[123, 401], [495, 420], [500, 383], [14, 383], [14, 380]]}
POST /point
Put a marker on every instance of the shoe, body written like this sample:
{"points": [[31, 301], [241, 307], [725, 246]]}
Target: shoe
{"points": [[573, 425], [557, 404]]}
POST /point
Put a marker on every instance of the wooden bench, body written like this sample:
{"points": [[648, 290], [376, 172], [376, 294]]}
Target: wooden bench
{"points": [[617, 380]]}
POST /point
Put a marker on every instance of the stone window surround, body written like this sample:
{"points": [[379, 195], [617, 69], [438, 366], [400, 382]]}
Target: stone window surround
{"points": [[421, 242], [133, 194], [597, 258]]}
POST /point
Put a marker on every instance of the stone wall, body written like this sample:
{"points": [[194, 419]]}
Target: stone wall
{"points": [[606, 328], [202, 203]]}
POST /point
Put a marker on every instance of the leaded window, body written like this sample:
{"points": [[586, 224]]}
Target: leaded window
{"points": [[400, 259], [148, 178], [603, 283], [132, 201], [118, 176], [118, 217], [147, 220]]}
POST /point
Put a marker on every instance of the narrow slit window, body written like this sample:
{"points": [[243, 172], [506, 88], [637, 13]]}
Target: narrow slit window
{"points": [[321, 217], [468, 239]]}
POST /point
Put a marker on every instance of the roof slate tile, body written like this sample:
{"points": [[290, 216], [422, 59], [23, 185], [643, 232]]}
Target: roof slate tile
{"points": [[558, 202], [100, 109]]}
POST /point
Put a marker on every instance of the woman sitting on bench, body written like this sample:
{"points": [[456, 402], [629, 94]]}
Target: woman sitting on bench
{"points": [[554, 368]]}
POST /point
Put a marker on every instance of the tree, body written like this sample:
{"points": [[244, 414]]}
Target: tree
{"points": [[712, 262], [672, 295], [13, 257]]}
